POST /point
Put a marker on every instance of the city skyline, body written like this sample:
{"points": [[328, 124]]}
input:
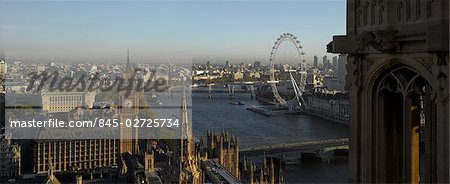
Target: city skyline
{"points": [[217, 91], [215, 31]]}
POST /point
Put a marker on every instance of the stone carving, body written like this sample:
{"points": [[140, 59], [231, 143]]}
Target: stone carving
{"points": [[357, 3], [372, 12], [366, 13], [369, 13], [382, 40], [440, 73], [401, 10], [355, 73], [381, 14], [359, 14], [429, 8], [369, 62]]}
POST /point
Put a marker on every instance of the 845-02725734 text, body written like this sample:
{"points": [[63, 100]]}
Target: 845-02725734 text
{"points": [[97, 122]]}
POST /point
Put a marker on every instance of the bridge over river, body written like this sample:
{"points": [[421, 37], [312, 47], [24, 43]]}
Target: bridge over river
{"points": [[293, 147]]}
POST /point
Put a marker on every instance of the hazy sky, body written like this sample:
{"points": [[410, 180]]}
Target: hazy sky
{"points": [[101, 31]]}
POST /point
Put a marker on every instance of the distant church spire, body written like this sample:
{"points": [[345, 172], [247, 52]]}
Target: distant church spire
{"points": [[50, 175], [128, 67]]}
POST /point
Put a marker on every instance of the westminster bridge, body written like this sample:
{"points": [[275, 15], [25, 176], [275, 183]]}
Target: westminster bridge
{"points": [[318, 145]]}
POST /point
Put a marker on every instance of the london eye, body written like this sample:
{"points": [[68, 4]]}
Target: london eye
{"points": [[288, 38]]}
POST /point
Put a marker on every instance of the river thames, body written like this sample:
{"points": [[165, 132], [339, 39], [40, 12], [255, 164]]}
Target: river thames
{"points": [[258, 130]]}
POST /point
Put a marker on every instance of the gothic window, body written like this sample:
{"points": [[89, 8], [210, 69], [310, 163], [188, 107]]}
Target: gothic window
{"points": [[402, 108]]}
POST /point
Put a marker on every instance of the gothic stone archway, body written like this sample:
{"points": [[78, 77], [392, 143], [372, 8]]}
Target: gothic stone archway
{"points": [[398, 118], [401, 103]]}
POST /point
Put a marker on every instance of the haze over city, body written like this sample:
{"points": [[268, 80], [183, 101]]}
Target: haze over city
{"points": [[160, 31], [224, 92]]}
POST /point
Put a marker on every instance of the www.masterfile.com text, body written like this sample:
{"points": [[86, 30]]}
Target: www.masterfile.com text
{"points": [[97, 122]]}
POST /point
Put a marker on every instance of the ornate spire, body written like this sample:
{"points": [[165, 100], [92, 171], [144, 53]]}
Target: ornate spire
{"points": [[187, 153], [128, 55], [251, 172], [128, 68], [272, 171], [261, 176], [50, 167], [264, 161], [184, 113], [280, 174], [245, 163]]}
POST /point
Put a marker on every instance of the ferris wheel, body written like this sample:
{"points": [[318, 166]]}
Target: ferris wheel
{"points": [[299, 88]]}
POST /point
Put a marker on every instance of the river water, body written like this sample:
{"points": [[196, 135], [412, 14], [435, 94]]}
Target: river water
{"points": [[258, 130]]}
